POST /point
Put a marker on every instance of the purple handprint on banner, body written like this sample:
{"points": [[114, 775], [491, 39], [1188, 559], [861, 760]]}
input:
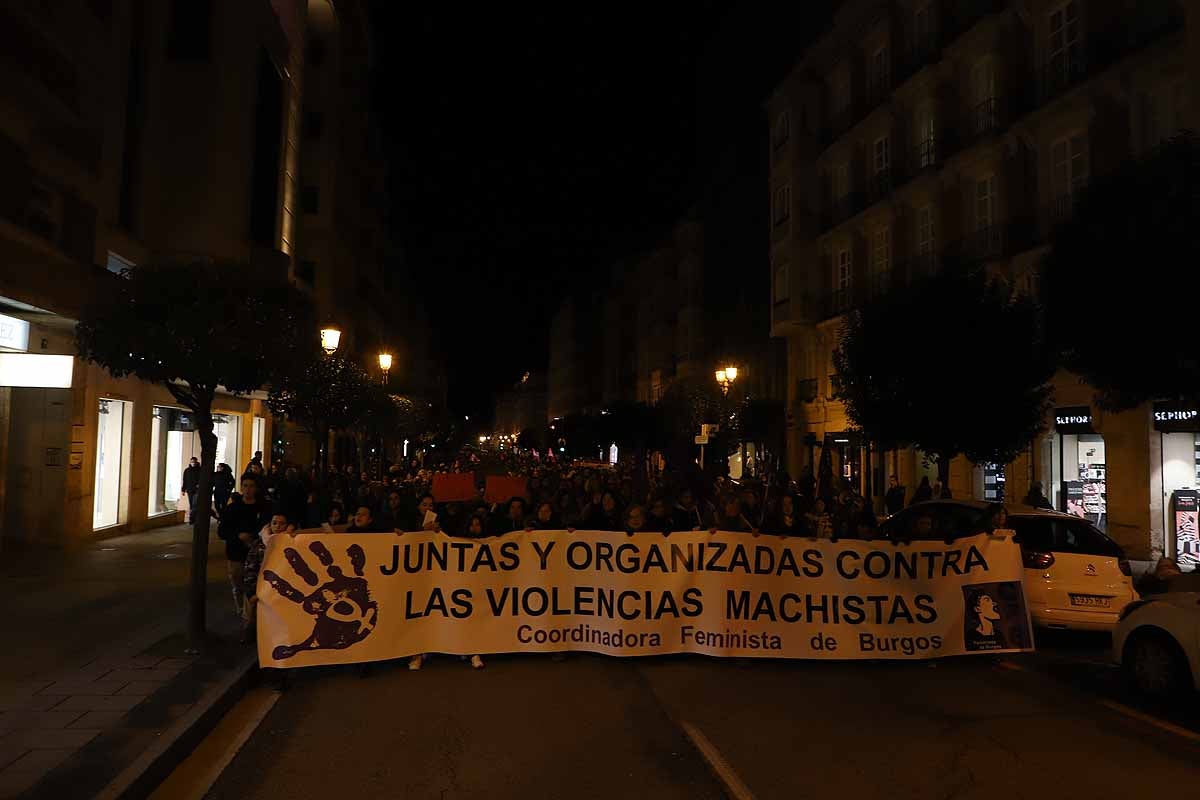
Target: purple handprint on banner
{"points": [[342, 607]]}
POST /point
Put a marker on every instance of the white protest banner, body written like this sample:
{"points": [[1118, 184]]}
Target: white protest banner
{"points": [[340, 598]]}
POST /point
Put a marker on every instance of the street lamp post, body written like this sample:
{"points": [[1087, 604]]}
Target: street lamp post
{"points": [[385, 366], [725, 377], [331, 336]]}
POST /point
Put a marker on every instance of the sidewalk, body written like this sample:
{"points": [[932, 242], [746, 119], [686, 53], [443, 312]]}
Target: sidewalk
{"points": [[96, 680]]}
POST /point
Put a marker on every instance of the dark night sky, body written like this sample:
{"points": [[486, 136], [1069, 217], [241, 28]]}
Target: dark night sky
{"points": [[528, 149]]}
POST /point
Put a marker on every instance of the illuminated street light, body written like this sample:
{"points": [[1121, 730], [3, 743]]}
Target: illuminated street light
{"points": [[385, 364], [725, 377], [331, 335]]}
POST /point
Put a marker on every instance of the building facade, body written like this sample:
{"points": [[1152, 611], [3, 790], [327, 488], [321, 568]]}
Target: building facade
{"points": [[931, 135], [676, 311], [137, 133], [523, 407]]}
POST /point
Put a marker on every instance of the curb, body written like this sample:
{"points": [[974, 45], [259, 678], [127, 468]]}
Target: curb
{"points": [[140, 778]]}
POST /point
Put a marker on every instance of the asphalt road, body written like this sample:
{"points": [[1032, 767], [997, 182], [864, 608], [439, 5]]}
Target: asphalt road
{"points": [[593, 727]]}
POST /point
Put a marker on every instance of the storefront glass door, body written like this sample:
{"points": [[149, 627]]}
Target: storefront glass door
{"points": [[1081, 475], [110, 457]]}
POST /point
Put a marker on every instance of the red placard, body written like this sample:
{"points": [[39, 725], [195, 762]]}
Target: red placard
{"points": [[452, 487], [500, 488]]}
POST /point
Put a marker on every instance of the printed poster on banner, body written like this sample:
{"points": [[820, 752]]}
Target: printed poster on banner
{"points": [[336, 598]]}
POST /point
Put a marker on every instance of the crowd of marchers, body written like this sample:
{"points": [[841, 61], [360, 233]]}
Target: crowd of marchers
{"points": [[558, 496]]}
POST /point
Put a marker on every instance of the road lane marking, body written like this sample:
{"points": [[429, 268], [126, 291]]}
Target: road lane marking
{"points": [[1121, 708], [195, 776], [1169, 727], [734, 786]]}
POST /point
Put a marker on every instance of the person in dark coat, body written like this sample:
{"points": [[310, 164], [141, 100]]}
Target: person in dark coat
{"points": [[291, 498], [223, 484], [1035, 497], [191, 485], [364, 522], [544, 518], [607, 516], [509, 517], [730, 517], [924, 491], [659, 519], [394, 515], [686, 515], [787, 519], [893, 501], [242, 521]]}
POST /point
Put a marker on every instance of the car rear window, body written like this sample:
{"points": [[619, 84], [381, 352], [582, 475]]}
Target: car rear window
{"points": [[1033, 533], [1047, 534], [1080, 537]]}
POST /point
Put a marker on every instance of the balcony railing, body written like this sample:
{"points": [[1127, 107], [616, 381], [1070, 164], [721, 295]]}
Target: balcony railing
{"points": [[1103, 49], [984, 119], [926, 154], [806, 390], [1061, 73]]}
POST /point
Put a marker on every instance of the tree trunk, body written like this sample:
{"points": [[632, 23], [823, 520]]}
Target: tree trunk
{"points": [[200, 525]]}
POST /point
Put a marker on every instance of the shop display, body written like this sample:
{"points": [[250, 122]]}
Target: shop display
{"points": [[1187, 539], [993, 482], [1074, 492]]}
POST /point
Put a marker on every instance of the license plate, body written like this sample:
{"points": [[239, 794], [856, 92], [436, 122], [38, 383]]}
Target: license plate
{"points": [[1095, 601]]}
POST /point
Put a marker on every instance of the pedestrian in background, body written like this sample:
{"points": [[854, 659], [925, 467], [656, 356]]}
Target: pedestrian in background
{"points": [[893, 501], [191, 485], [223, 485], [924, 491], [1035, 498]]}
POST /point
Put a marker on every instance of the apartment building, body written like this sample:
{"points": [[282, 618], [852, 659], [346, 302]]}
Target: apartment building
{"points": [[135, 133], [675, 311], [933, 135]]}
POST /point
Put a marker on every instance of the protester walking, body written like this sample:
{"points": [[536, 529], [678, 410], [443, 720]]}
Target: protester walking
{"points": [[223, 485], [240, 523]]}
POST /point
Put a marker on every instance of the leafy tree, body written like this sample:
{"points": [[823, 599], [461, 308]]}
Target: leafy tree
{"points": [[330, 393], [691, 402], [194, 328], [982, 391], [1132, 341]]}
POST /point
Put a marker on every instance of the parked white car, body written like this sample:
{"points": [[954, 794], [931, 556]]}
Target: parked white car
{"points": [[1157, 642], [1075, 577]]}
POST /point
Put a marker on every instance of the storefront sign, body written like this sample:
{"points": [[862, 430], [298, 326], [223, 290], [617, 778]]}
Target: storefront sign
{"points": [[1073, 419], [1176, 417], [14, 333], [36, 371], [337, 598]]}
